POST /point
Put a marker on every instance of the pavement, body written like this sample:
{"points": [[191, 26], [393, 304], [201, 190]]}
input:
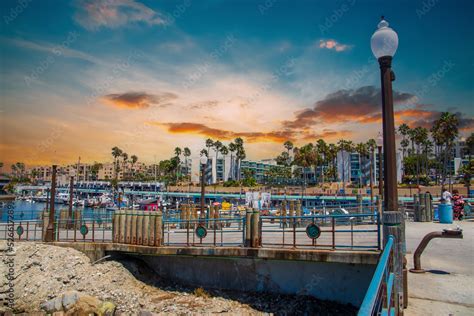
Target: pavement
{"points": [[447, 288]]}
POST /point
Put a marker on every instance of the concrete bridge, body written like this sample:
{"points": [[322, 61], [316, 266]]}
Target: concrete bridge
{"points": [[330, 257]]}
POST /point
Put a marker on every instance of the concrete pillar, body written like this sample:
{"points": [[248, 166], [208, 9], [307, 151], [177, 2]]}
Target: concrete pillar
{"points": [[422, 210], [115, 227], [133, 228], [146, 228], [292, 208], [359, 204], [428, 216], [283, 213], [298, 213], [416, 208], [255, 228], [128, 227], [63, 219], [151, 228], [122, 232], [45, 222], [248, 228], [158, 229], [392, 226]]}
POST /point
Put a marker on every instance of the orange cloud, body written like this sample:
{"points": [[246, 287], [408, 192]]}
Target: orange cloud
{"points": [[137, 100], [201, 129], [332, 44]]}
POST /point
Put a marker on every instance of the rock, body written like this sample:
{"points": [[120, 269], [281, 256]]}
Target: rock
{"points": [[85, 305], [70, 298], [106, 309], [54, 305]]}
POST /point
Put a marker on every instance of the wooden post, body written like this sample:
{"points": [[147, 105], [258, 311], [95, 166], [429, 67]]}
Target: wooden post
{"points": [[248, 228], [283, 212], [298, 213], [115, 227], [422, 205], [416, 208], [133, 228], [151, 228], [392, 225], [128, 227], [122, 229], [255, 228], [146, 228], [158, 229]]}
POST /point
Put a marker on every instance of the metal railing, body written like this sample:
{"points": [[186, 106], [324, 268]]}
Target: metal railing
{"points": [[204, 232], [348, 231], [98, 230], [380, 297]]}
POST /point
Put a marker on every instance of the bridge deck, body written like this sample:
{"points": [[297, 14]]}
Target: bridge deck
{"points": [[97, 250]]}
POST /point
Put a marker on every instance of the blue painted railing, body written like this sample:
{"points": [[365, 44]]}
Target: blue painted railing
{"points": [[380, 297]]}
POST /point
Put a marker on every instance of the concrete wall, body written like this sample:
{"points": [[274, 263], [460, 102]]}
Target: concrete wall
{"points": [[340, 282]]}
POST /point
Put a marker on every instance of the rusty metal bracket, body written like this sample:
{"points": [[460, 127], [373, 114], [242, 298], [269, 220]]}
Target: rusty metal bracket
{"points": [[446, 233]]}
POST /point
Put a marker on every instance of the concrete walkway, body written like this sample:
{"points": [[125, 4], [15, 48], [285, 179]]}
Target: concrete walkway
{"points": [[447, 288]]}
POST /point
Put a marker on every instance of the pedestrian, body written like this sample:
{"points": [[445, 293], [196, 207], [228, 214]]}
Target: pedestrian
{"points": [[446, 196], [458, 205]]}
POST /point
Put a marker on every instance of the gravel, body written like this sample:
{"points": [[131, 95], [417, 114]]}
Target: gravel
{"points": [[44, 272]]}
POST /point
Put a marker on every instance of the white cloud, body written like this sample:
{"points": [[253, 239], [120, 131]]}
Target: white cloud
{"points": [[334, 45], [94, 14]]}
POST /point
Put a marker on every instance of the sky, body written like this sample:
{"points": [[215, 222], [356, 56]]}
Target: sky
{"points": [[79, 77]]}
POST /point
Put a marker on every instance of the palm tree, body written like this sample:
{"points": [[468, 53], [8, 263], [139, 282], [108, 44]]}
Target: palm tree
{"points": [[209, 144], [116, 152], [404, 131], [446, 131], [305, 157], [332, 151], [371, 145], [133, 159], [344, 146], [420, 135], [186, 153], [288, 145], [124, 163], [322, 148], [361, 149], [232, 148], [177, 153], [14, 170], [240, 155], [224, 153]]}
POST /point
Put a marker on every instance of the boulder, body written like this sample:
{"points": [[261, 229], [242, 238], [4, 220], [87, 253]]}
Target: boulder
{"points": [[106, 309]]}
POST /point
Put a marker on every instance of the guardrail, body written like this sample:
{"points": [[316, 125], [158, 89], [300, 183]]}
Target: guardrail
{"points": [[380, 297], [351, 231]]}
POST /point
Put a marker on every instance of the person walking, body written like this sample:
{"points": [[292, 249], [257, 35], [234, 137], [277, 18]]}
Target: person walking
{"points": [[446, 196], [458, 205]]}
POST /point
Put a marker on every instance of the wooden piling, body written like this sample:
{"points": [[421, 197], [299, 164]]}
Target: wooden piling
{"points": [[151, 228], [146, 228]]}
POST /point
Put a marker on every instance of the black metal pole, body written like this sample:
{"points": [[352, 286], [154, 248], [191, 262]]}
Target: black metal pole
{"points": [[50, 231], [380, 171], [389, 161], [203, 189]]}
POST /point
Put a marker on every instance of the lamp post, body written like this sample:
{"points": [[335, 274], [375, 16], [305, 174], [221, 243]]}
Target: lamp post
{"points": [[384, 44], [380, 167], [203, 162], [51, 229]]}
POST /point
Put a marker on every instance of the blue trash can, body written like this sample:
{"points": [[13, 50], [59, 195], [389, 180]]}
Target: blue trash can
{"points": [[445, 213]]}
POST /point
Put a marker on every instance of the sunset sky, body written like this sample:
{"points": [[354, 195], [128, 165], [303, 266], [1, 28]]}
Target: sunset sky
{"points": [[79, 77]]}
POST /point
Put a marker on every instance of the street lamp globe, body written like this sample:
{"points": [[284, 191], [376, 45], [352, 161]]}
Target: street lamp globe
{"points": [[380, 140], [203, 160], [384, 41]]}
